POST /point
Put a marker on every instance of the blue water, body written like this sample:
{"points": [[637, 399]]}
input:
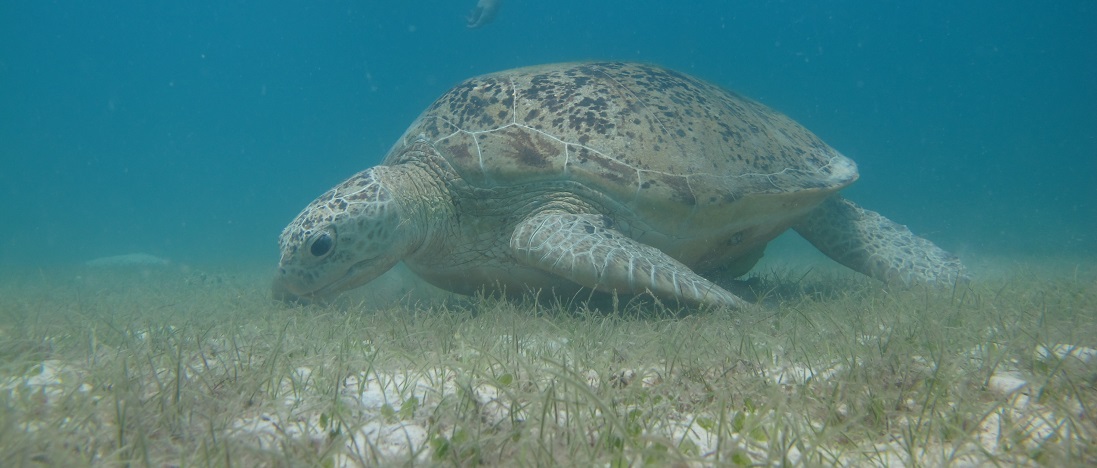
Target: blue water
{"points": [[196, 130]]}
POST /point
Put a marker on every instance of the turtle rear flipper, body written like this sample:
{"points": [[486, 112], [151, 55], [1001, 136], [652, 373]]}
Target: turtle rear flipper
{"points": [[869, 243], [587, 250]]}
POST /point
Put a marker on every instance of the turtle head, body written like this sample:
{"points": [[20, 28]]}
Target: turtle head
{"points": [[345, 238]]}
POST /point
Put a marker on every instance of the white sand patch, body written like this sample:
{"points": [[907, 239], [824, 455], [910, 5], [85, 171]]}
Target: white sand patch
{"points": [[48, 381], [1063, 351], [391, 441], [384, 415], [790, 374], [387, 414]]}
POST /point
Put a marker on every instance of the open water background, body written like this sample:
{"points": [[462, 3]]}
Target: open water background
{"points": [[197, 130]]}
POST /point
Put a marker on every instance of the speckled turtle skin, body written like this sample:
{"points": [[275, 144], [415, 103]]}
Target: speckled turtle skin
{"points": [[620, 177]]}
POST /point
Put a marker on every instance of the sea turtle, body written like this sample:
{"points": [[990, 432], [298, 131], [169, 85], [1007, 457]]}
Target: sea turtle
{"points": [[614, 176]]}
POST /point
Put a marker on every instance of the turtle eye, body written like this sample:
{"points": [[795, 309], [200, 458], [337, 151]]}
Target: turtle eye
{"points": [[322, 244]]}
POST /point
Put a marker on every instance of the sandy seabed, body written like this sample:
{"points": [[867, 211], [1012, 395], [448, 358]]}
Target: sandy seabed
{"points": [[160, 363]]}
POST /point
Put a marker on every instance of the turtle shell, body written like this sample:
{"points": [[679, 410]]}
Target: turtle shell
{"points": [[653, 140]]}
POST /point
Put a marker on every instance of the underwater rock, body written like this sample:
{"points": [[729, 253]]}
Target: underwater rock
{"points": [[1006, 383]]}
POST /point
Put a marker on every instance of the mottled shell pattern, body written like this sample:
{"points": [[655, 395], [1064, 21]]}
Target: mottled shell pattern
{"points": [[648, 137]]}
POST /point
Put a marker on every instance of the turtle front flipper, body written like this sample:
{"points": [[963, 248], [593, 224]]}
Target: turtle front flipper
{"points": [[869, 243], [587, 250]]}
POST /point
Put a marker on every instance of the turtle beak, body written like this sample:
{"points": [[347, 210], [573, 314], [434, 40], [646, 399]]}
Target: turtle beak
{"points": [[284, 287], [280, 291]]}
